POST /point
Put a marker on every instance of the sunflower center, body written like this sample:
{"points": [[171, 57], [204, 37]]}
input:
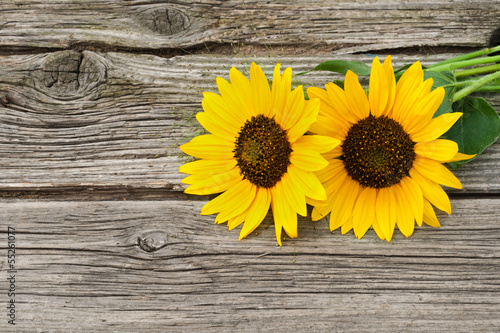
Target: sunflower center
{"points": [[262, 151], [377, 152]]}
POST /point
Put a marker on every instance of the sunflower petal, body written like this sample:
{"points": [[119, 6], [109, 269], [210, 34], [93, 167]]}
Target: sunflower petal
{"points": [[240, 203], [308, 117], [258, 210], [425, 110], [210, 147], [415, 198], [382, 87], [430, 217], [345, 198], [260, 89], [440, 150], [364, 211], [308, 160], [405, 219], [436, 172], [293, 196], [216, 183], [207, 166], [385, 208], [227, 200], [217, 126], [214, 104], [319, 143], [461, 157], [356, 96], [293, 109], [432, 191], [436, 127], [307, 182], [283, 213]]}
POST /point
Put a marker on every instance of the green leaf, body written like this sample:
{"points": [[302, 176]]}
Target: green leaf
{"points": [[478, 128], [342, 66], [446, 80]]}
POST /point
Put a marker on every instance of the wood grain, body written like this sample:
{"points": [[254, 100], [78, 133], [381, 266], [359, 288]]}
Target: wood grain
{"points": [[83, 267], [194, 25], [101, 120]]}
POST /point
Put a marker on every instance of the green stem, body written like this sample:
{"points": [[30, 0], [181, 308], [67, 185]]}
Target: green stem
{"points": [[477, 71], [465, 63], [489, 89], [466, 56], [475, 85]]}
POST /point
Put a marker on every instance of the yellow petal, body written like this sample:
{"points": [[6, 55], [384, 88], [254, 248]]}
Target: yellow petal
{"points": [[356, 96], [307, 183], [239, 204], [436, 172], [278, 215], [210, 147], [293, 109], [308, 160], [331, 187], [308, 117], [386, 212], [339, 104], [329, 127], [429, 215], [461, 157], [217, 126], [283, 214], [227, 200], [215, 183], [256, 212], [207, 166], [408, 82], [364, 211], [346, 227], [237, 220], [432, 191], [436, 127], [412, 100], [345, 198], [236, 100], [424, 110], [293, 195], [261, 90], [382, 87], [415, 198], [281, 88], [440, 150], [405, 219], [317, 143], [214, 104], [377, 229]]}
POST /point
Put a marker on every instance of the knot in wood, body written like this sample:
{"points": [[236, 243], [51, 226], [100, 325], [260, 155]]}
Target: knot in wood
{"points": [[166, 21], [70, 74], [152, 241]]}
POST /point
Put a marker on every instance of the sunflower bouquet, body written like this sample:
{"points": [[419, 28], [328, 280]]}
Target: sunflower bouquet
{"points": [[363, 158]]}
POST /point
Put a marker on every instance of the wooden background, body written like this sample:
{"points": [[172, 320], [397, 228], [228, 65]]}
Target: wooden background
{"points": [[96, 97]]}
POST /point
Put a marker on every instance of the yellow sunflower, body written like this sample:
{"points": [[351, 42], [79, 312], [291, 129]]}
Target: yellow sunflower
{"points": [[388, 169], [257, 153]]}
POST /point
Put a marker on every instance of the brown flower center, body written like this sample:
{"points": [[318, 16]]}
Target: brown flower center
{"points": [[262, 151], [377, 152]]}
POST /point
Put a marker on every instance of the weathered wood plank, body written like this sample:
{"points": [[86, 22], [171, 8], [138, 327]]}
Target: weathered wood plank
{"points": [[159, 265], [90, 120], [321, 25]]}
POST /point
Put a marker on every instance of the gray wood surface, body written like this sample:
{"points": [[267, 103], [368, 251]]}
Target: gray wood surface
{"points": [[97, 96]]}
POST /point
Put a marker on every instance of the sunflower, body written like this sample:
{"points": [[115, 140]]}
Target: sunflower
{"points": [[257, 153], [388, 169]]}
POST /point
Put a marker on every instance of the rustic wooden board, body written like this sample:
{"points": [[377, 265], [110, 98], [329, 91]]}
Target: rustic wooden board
{"points": [[160, 266], [218, 25], [113, 120]]}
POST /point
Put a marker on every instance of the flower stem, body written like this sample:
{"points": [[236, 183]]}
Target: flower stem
{"points": [[465, 63], [477, 71], [475, 85], [466, 56]]}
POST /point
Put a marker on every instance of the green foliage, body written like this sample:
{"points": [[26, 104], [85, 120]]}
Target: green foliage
{"points": [[478, 128], [342, 66]]}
